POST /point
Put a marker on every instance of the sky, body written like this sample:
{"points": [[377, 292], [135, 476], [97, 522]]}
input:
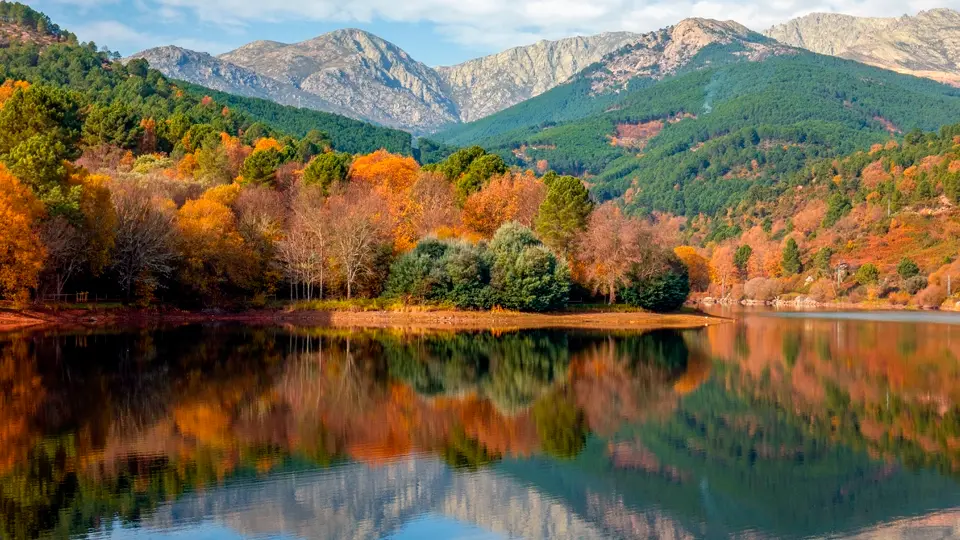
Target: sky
{"points": [[436, 32]]}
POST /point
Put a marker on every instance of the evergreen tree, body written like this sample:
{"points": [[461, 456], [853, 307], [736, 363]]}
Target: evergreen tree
{"points": [[328, 169], [563, 214], [867, 274], [41, 110], [525, 275], [742, 257], [790, 263], [115, 125], [478, 173], [260, 167], [822, 259], [907, 268]]}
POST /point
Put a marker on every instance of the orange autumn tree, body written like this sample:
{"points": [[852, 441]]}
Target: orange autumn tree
{"points": [[267, 143], [392, 177], [9, 87], [614, 244], [187, 167], [724, 270], [148, 141], [698, 267], [22, 253], [215, 256], [236, 152], [505, 198]]}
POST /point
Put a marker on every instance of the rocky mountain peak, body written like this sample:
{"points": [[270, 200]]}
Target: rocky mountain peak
{"points": [[925, 45], [663, 52], [492, 83], [702, 32]]}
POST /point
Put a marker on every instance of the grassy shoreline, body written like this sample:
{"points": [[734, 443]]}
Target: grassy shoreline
{"points": [[361, 316]]}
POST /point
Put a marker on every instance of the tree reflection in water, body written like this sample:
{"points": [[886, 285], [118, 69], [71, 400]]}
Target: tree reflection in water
{"points": [[724, 425], [99, 424]]}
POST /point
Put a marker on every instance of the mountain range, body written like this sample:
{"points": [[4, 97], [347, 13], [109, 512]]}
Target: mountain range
{"points": [[358, 74]]}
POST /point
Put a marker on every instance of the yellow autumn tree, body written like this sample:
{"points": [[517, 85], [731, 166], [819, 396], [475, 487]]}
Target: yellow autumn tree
{"points": [[21, 251], [225, 194], [99, 218]]}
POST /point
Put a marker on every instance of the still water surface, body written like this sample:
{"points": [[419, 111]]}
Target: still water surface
{"points": [[771, 427]]}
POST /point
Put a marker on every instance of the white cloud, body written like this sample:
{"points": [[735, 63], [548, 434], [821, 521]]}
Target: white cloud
{"points": [[111, 33], [503, 23], [118, 36]]}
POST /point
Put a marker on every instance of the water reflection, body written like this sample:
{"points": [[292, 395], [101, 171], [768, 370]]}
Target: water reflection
{"points": [[768, 427]]}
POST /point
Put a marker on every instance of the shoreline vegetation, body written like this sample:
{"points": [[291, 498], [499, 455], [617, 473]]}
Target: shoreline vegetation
{"points": [[361, 315]]}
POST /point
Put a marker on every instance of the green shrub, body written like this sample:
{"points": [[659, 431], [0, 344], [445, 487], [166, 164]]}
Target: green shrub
{"points": [[662, 292], [907, 268], [867, 274], [525, 275]]}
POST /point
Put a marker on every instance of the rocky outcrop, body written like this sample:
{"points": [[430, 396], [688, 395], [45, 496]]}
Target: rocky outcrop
{"points": [[487, 85], [358, 72], [925, 45], [211, 72], [664, 52]]}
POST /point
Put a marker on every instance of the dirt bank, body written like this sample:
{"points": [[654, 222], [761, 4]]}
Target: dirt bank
{"points": [[445, 320]]}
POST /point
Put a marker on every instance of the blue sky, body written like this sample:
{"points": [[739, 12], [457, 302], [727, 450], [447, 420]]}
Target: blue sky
{"points": [[437, 32]]}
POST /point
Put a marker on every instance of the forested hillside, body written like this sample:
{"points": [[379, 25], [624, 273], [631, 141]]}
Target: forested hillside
{"points": [[346, 134], [876, 225], [697, 142], [96, 79]]}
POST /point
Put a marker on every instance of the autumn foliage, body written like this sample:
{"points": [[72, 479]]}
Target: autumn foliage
{"points": [[168, 209], [21, 252]]}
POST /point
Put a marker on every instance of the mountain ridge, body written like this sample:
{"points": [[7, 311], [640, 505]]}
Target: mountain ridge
{"points": [[925, 45], [357, 73]]}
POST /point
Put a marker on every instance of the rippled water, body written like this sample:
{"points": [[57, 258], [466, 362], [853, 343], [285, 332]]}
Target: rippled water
{"points": [[776, 426]]}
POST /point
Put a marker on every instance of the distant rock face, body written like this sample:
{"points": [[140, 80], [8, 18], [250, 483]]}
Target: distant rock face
{"points": [[926, 45], [358, 72], [213, 73], [360, 75], [662, 53], [490, 84]]}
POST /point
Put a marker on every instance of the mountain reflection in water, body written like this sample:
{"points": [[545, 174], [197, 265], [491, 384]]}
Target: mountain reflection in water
{"points": [[768, 427]]}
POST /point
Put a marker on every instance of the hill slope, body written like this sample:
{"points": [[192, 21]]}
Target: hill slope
{"points": [[92, 76], [691, 44], [927, 45], [211, 72], [740, 110]]}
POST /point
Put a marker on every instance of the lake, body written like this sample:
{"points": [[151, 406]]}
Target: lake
{"points": [[779, 425]]}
